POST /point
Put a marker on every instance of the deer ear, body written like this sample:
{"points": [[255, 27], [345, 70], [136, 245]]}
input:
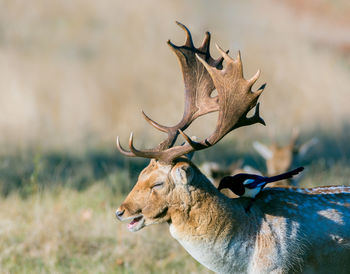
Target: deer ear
{"points": [[263, 150], [306, 147], [182, 173]]}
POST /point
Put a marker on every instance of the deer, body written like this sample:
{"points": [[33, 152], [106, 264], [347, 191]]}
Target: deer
{"points": [[286, 230], [216, 172], [279, 159]]}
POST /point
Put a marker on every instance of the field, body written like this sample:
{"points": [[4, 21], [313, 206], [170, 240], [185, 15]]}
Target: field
{"points": [[75, 232], [73, 76]]}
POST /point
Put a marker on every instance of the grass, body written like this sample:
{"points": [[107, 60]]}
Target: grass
{"points": [[73, 70], [75, 75], [31, 171], [66, 231], [57, 207], [57, 213]]}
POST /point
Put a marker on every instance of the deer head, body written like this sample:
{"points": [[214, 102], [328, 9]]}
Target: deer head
{"points": [[161, 191], [279, 158], [167, 184]]}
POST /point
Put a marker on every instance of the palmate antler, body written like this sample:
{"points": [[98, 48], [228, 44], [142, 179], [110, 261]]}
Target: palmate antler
{"points": [[202, 74]]}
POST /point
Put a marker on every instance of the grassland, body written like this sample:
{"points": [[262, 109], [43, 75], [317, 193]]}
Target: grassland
{"points": [[78, 74], [57, 211], [65, 231], [74, 75], [59, 218]]}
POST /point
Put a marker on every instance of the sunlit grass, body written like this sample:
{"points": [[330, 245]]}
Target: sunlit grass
{"points": [[51, 223], [74, 75], [65, 231], [32, 171], [69, 71]]}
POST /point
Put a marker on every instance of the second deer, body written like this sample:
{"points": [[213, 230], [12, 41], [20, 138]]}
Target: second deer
{"points": [[280, 159]]}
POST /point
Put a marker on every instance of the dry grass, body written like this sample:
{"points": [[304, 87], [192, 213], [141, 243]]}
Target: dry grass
{"points": [[69, 71], [62, 230], [65, 231], [75, 74]]}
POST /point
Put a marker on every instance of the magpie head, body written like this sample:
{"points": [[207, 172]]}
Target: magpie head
{"points": [[231, 182], [225, 182]]}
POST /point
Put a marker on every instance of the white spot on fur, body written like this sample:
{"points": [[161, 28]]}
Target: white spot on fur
{"points": [[332, 214]]}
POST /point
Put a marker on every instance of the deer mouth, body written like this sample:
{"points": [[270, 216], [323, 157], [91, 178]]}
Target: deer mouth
{"points": [[137, 223]]}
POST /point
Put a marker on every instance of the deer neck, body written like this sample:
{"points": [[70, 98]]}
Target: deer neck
{"points": [[213, 229]]}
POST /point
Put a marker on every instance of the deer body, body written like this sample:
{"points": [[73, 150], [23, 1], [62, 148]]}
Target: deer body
{"points": [[285, 230], [310, 231]]}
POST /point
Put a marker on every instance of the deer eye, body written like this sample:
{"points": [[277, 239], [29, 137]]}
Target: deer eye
{"points": [[157, 185]]}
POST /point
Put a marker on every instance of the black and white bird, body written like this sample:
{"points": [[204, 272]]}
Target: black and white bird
{"points": [[250, 185]]}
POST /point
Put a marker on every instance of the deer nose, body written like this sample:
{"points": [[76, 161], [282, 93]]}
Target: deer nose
{"points": [[119, 213]]}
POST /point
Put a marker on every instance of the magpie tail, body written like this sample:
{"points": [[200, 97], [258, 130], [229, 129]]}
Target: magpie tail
{"points": [[286, 175]]}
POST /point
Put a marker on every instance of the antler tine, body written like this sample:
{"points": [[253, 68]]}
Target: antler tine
{"points": [[206, 42], [195, 145], [154, 123], [133, 149], [226, 57], [247, 121], [254, 78], [134, 152], [238, 58], [122, 150], [146, 153], [205, 47], [189, 41]]}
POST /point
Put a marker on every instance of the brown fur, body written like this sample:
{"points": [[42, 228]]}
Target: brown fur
{"points": [[286, 230], [280, 161]]}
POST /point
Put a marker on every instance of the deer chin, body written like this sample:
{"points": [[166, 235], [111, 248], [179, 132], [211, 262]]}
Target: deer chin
{"points": [[137, 223]]}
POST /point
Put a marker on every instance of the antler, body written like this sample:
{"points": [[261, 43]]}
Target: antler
{"points": [[202, 74], [198, 85]]}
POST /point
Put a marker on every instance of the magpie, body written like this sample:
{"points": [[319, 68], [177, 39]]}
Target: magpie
{"points": [[250, 185]]}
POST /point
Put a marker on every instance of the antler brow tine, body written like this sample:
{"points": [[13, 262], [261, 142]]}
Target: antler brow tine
{"points": [[122, 150]]}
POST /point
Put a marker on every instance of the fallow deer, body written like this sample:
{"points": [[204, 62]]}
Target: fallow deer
{"points": [[279, 158], [215, 172], [286, 230]]}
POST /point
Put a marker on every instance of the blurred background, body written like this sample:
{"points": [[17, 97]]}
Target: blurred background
{"points": [[75, 74]]}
